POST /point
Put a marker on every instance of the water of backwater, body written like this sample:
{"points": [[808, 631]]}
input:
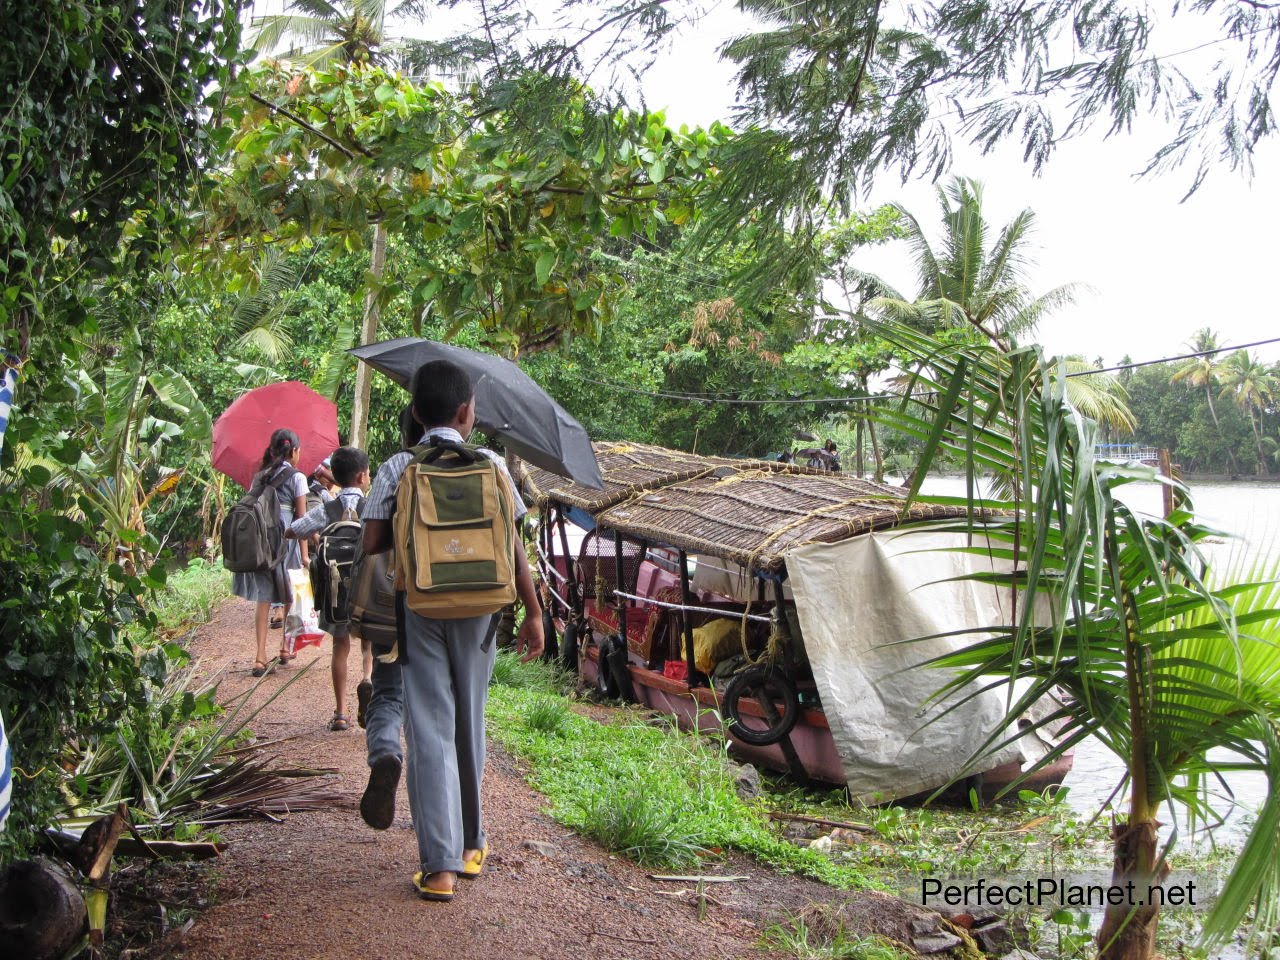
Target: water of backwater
{"points": [[1250, 512]]}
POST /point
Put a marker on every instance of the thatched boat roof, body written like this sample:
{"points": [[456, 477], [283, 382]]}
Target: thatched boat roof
{"points": [[748, 511], [628, 469]]}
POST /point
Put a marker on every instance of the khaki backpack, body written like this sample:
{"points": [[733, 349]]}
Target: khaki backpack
{"points": [[454, 531]]}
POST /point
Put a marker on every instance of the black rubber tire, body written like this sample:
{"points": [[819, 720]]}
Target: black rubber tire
{"points": [[618, 659], [551, 645], [606, 684], [776, 686], [569, 646]]}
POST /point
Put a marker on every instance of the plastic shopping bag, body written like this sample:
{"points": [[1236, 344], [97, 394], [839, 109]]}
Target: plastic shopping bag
{"points": [[302, 625]]}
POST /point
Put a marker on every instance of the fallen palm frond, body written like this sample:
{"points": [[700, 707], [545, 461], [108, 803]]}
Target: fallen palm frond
{"points": [[182, 760]]}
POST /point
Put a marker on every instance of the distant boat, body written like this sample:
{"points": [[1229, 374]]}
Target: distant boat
{"points": [[1127, 453]]}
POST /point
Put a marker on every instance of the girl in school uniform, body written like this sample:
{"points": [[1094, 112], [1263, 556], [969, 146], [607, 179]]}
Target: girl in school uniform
{"points": [[272, 586]]}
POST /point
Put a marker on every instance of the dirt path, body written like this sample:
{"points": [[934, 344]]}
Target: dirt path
{"points": [[323, 885]]}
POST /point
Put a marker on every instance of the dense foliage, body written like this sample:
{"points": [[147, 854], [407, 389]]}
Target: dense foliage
{"points": [[101, 133]]}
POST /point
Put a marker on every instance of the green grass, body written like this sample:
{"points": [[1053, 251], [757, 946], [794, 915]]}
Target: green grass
{"points": [[189, 595], [663, 799], [509, 671], [821, 935]]}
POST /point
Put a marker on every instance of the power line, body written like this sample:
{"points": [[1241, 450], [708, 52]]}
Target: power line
{"points": [[710, 398], [1185, 356]]}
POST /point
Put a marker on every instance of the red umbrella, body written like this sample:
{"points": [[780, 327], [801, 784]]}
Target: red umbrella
{"points": [[243, 431]]}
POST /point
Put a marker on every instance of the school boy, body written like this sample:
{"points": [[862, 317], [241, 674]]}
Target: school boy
{"points": [[446, 667], [386, 707], [350, 466]]}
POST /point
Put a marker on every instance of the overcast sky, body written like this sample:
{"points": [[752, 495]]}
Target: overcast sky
{"points": [[1157, 269]]}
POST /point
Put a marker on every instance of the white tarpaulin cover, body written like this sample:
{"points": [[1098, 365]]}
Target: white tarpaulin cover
{"points": [[855, 599]]}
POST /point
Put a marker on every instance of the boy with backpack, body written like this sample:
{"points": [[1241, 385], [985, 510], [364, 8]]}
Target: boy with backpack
{"points": [[459, 560], [338, 523]]}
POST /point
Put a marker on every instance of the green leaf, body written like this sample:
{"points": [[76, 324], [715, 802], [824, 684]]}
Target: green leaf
{"points": [[542, 269]]}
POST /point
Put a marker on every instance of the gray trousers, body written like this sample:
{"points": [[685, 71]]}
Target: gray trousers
{"points": [[446, 683]]}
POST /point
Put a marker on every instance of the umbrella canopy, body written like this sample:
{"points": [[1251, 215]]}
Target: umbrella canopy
{"points": [[509, 405], [243, 431]]}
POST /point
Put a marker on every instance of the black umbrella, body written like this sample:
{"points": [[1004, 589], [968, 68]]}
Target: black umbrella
{"points": [[509, 405]]}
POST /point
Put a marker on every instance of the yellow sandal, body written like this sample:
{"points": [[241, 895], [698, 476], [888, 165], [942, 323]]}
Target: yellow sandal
{"points": [[473, 866], [439, 894]]}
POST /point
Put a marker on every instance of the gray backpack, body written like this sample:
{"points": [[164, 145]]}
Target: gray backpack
{"points": [[252, 537], [373, 601]]}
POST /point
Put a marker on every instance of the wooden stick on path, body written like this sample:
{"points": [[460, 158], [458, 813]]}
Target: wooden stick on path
{"points": [[821, 821]]}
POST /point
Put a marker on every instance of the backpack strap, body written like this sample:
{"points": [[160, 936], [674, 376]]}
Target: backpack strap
{"points": [[333, 510], [280, 477], [433, 451]]}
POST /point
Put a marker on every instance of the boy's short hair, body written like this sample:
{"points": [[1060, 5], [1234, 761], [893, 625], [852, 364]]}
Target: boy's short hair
{"points": [[440, 387], [348, 463]]}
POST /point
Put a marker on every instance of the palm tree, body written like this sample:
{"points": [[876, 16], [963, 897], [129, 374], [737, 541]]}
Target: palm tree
{"points": [[326, 33], [1162, 665], [351, 33], [1252, 384], [1201, 371], [972, 280]]}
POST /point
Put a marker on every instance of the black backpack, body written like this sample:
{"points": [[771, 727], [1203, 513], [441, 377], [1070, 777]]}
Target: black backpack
{"points": [[331, 563], [252, 537]]}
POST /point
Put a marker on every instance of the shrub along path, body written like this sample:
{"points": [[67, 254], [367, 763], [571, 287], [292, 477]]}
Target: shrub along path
{"points": [[323, 885]]}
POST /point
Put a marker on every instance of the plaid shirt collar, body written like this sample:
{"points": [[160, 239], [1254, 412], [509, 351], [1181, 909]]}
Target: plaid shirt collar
{"points": [[444, 433]]}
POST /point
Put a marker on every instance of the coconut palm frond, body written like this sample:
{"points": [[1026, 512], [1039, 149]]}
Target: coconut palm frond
{"points": [[1007, 258], [1025, 318], [335, 365], [1111, 605], [1099, 396], [269, 33], [258, 317], [270, 339], [984, 281]]}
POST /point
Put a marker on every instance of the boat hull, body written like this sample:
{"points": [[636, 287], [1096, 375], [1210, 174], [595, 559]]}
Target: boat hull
{"points": [[814, 747]]}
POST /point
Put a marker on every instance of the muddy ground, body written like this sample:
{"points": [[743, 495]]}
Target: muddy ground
{"points": [[321, 884]]}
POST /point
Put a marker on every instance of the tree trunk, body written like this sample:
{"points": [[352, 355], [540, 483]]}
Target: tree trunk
{"points": [[878, 477], [857, 463], [1213, 414], [368, 330], [41, 912], [1128, 931], [1257, 443]]}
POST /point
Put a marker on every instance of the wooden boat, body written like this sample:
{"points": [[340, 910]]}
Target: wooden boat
{"points": [[765, 599]]}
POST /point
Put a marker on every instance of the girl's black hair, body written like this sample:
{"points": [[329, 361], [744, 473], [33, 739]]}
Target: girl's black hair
{"points": [[410, 429], [283, 442]]}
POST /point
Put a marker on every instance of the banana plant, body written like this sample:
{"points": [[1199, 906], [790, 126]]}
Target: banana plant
{"points": [[131, 416], [1178, 674]]}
